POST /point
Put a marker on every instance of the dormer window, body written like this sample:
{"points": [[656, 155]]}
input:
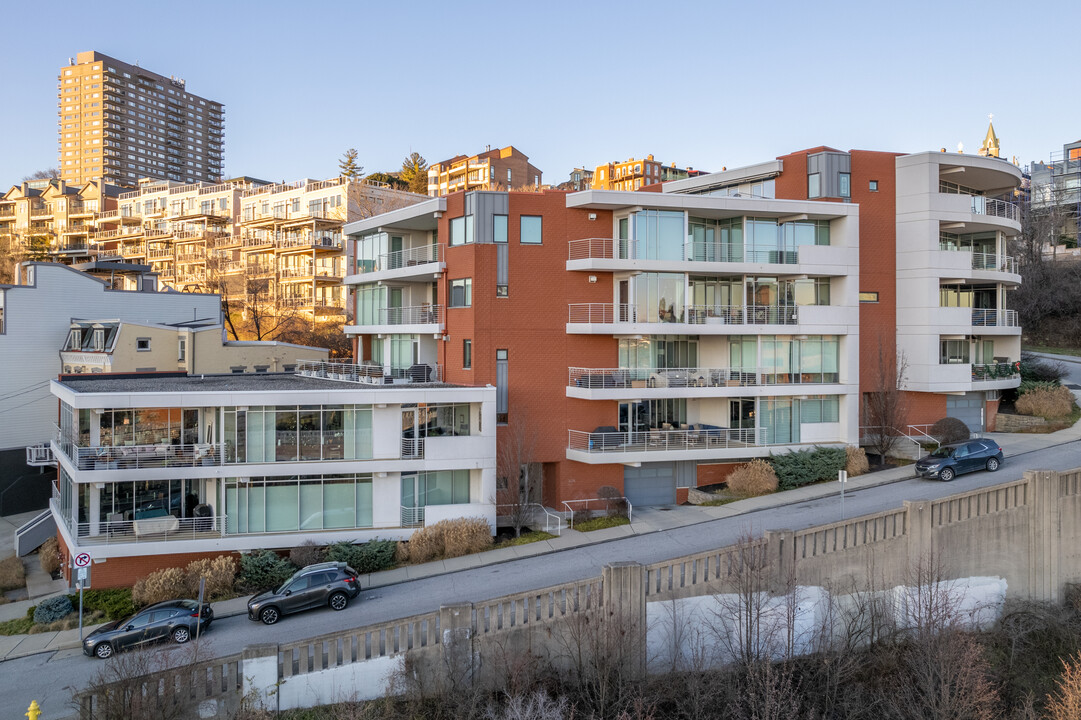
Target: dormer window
{"points": [[97, 342]]}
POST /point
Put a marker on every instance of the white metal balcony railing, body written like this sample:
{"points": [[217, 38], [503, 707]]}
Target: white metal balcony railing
{"points": [[40, 455], [324, 273], [698, 437], [163, 528], [137, 457], [412, 448], [369, 373], [995, 208], [412, 315], [990, 261], [608, 313], [412, 516], [626, 378], [401, 258], [994, 318], [611, 249]]}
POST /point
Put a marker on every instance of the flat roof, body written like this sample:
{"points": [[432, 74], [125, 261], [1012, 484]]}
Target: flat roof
{"points": [[232, 382]]}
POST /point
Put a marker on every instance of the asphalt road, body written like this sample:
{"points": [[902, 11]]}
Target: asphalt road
{"points": [[48, 678]]}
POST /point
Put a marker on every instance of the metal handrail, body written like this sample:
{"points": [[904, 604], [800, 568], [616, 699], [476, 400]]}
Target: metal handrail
{"points": [[401, 258], [994, 318], [134, 457], [368, 373], [630, 508], [412, 516], [154, 529]]}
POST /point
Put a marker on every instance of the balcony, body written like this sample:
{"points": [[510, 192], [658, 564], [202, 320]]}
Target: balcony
{"points": [[617, 313], [370, 374], [252, 240], [995, 208], [319, 274], [962, 377], [161, 528], [699, 441], [420, 319], [611, 383], [607, 254], [306, 241], [994, 318], [140, 457], [40, 455], [423, 260]]}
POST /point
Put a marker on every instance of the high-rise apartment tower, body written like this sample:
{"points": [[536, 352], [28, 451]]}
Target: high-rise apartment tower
{"points": [[120, 122]]}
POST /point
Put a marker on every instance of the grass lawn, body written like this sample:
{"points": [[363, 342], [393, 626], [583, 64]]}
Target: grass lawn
{"points": [[601, 523]]}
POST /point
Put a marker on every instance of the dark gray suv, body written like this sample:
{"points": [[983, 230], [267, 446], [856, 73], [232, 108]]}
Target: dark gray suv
{"points": [[951, 460], [331, 584]]}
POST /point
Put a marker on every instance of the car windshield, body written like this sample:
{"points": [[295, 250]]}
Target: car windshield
{"points": [[943, 452]]}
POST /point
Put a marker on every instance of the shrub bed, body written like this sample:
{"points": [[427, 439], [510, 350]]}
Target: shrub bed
{"points": [[369, 557], [804, 467], [446, 539], [752, 479], [1056, 402], [12, 574], [856, 461], [263, 570]]}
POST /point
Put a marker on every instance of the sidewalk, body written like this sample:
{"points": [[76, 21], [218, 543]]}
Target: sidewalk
{"points": [[644, 521]]}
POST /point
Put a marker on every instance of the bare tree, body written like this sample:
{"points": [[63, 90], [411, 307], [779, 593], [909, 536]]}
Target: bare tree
{"points": [[1065, 702], [887, 404], [44, 174], [139, 685], [518, 489]]}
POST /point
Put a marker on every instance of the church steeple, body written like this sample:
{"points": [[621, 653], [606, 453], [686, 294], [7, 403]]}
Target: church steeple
{"points": [[990, 147]]}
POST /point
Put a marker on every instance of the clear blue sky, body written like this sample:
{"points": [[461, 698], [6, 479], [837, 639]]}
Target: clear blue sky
{"points": [[706, 84]]}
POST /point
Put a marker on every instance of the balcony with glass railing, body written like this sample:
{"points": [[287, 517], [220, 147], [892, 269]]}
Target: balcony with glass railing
{"points": [[418, 260], [370, 374], [163, 454]]}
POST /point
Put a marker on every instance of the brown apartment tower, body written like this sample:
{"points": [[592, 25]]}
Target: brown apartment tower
{"points": [[119, 122]]}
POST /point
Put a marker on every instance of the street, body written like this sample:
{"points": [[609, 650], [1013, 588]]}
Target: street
{"points": [[48, 678]]}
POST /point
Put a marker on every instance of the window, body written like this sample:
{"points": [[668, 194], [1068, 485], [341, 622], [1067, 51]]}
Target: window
{"points": [[531, 230], [814, 185], [820, 410], [237, 369], [501, 413], [872, 185], [499, 232], [461, 230], [142, 344], [846, 184], [461, 293], [261, 368], [868, 297], [467, 354]]}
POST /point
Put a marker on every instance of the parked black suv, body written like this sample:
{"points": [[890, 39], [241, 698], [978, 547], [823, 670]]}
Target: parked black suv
{"points": [[329, 583], [174, 620], [951, 460]]}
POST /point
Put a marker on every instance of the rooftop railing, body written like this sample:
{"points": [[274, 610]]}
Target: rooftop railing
{"points": [[368, 373]]}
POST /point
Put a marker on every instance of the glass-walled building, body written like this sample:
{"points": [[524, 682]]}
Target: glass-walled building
{"points": [[174, 465]]}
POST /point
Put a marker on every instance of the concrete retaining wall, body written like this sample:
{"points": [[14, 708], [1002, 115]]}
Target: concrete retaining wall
{"points": [[1015, 540]]}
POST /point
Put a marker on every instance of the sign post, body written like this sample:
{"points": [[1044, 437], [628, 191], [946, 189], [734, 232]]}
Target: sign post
{"points": [[82, 564], [842, 477]]}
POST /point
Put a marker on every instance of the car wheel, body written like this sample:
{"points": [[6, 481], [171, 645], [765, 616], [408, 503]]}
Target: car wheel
{"points": [[103, 651], [339, 601], [181, 635], [269, 615], [946, 475], [992, 464]]}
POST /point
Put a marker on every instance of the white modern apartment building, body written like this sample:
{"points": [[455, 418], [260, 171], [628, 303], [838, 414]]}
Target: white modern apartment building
{"points": [[157, 470]]}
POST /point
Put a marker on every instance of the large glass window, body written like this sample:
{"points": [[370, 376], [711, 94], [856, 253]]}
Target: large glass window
{"points": [[659, 235], [659, 297], [499, 230], [327, 502], [820, 409], [531, 230], [461, 292], [292, 433], [443, 487]]}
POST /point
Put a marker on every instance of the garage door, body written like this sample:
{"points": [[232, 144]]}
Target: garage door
{"points": [[652, 484], [967, 408]]}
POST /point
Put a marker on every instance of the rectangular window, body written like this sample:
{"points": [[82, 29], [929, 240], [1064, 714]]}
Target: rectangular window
{"points": [[531, 230], [872, 185], [457, 231], [499, 232], [846, 185], [501, 413], [181, 350], [467, 354], [461, 292], [142, 344], [868, 297], [814, 185]]}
